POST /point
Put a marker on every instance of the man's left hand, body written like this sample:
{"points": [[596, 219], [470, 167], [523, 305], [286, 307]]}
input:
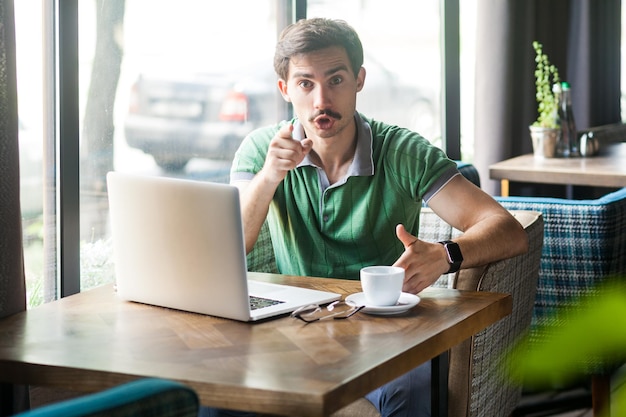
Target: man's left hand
{"points": [[422, 261]]}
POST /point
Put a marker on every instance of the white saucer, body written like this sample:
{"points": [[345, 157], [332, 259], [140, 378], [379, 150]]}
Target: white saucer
{"points": [[406, 302]]}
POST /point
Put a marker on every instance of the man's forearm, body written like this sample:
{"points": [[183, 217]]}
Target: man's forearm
{"points": [[256, 196], [494, 238]]}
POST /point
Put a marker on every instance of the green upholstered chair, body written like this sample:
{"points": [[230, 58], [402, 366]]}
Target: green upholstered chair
{"points": [[144, 397]]}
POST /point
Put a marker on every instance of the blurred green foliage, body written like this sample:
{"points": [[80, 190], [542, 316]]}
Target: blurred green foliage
{"points": [[588, 337]]}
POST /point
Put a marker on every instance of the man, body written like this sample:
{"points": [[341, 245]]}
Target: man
{"points": [[341, 191]]}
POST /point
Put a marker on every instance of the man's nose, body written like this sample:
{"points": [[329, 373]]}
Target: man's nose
{"points": [[322, 97]]}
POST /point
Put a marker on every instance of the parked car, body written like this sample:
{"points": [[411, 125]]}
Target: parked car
{"points": [[176, 117]]}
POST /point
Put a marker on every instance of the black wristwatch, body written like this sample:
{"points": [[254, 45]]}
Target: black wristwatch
{"points": [[455, 258]]}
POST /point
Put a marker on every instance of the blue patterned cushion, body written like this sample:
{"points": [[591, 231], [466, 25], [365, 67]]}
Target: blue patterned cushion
{"points": [[584, 244], [144, 397]]}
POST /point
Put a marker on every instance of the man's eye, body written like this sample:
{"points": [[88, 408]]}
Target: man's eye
{"points": [[336, 80], [305, 84]]}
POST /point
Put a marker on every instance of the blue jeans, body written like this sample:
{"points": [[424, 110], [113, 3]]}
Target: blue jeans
{"points": [[406, 396]]}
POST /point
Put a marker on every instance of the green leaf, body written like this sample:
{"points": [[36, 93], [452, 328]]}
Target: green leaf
{"points": [[589, 334]]}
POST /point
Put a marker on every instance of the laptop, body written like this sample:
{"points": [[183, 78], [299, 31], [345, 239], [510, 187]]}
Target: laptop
{"points": [[179, 244]]}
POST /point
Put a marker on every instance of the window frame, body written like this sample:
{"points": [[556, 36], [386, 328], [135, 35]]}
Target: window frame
{"points": [[67, 132], [67, 138]]}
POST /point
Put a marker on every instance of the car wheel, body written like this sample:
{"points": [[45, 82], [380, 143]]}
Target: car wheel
{"points": [[170, 163]]}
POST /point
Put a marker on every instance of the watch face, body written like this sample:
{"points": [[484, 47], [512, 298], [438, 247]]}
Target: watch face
{"points": [[455, 258], [454, 252]]}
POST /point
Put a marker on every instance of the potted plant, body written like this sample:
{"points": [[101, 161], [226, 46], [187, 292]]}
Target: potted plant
{"points": [[545, 130]]}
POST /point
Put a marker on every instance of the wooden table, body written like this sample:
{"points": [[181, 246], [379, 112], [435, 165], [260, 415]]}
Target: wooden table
{"points": [[93, 340], [608, 169]]}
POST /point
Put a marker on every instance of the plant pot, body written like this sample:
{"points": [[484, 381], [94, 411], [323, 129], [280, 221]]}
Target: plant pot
{"points": [[544, 141]]}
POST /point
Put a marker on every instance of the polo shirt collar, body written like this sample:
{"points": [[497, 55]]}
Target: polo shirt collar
{"points": [[363, 162]]}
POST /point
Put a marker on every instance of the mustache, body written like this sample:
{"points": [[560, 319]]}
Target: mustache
{"points": [[326, 112]]}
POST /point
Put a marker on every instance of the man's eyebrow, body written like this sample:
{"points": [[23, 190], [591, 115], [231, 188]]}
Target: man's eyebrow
{"points": [[301, 75], [338, 68], [331, 71]]}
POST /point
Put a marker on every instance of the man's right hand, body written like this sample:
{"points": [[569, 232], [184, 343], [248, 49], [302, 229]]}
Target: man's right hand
{"points": [[284, 154]]}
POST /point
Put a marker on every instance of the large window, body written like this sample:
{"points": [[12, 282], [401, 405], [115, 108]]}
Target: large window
{"points": [[189, 83], [142, 86], [401, 40], [623, 65], [28, 16]]}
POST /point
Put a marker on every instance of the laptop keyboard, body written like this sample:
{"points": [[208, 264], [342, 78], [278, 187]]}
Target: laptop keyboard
{"points": [[260, 302]]}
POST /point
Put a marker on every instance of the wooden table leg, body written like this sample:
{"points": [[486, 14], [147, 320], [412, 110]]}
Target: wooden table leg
{"points": [[601, 395], [504, 188], [13, 399], [6, 400], [440, 366]]}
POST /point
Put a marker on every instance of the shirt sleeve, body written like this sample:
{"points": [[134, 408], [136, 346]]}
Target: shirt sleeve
{"points": [[419, 168], [440, 183], [250, 156]]}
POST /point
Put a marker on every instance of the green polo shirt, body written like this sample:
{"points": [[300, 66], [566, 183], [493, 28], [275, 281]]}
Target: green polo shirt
{"points": [[327, 230]]}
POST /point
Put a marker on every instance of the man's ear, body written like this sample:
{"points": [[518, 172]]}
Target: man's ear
{"points": [[282, 87], [360, 79]]}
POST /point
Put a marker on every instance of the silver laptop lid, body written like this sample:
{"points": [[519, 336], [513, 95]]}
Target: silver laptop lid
{"points": [[165, 247], [180, 244]]}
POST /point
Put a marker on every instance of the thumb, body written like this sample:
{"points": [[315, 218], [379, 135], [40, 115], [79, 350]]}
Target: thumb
{"points": [[307, 145], [405, 237]]}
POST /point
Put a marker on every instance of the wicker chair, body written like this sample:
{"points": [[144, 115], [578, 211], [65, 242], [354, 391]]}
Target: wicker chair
{"points": [[477, 385]]}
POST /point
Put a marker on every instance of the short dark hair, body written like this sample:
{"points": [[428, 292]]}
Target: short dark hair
{"points": [[309, 35]]}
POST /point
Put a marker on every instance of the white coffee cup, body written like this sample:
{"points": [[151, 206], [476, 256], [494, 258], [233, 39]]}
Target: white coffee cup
{"points": [[382, 285]]}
